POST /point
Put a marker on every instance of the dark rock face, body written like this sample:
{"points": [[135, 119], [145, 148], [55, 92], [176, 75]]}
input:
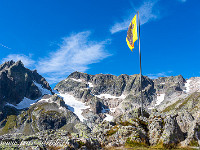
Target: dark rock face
{"points": [[16, 82], [51, 120]]}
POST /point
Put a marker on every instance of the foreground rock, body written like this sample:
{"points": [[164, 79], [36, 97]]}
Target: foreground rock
{"points": [[48, 139]]}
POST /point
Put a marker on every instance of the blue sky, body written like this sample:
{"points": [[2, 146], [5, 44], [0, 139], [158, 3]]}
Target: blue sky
{"points": [[60, 37]]}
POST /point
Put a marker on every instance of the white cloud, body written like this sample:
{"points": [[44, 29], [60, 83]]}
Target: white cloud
{"points": [[120, 26], [146, 14], [27, 61], [75, 54]]}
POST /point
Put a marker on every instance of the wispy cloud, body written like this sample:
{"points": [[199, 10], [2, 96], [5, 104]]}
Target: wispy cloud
{"points": [[75, 54], [146, 14], [27, 60], [161, 74], [4, 46]]}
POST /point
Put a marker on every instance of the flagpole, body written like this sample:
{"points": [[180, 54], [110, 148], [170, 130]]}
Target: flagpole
{"points": [[140, 66]]}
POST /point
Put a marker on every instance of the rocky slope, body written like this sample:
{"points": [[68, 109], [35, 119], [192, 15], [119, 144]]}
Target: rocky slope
{"points": [[96, 111]]}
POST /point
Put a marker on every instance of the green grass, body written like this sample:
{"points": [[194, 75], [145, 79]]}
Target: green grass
{"points": [[171, 107], [11, 123], [131, 143], [194, 143]]}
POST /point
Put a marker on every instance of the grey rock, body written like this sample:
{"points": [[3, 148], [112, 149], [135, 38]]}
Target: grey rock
{"points": [[155, 126], [184, 120], [172, 133]]}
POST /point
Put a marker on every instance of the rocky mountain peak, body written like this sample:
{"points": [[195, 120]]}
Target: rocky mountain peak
{"points": [[6, 65], [80, 75], [18, 82]]}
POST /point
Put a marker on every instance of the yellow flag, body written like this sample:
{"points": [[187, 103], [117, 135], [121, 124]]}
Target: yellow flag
{"points": [[132, 33]]}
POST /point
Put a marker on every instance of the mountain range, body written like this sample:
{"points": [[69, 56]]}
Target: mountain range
{"points": [[99, 111]]}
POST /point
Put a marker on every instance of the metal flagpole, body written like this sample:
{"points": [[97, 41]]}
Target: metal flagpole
{"points": [[140, 67]]}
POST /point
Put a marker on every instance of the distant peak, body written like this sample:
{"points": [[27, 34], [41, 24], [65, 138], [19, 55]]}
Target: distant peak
{"points": [[77, 74]]}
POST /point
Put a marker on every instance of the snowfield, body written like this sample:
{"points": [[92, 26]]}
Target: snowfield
{"points": [[74, 105], [90, 85], [160, 98], [42, 90], [108, 117], [24, 103], [193, 85], [187, 86]]}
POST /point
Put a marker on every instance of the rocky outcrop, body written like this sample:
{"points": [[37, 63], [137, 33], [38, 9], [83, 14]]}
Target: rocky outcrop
{"points": [[172, 134], [48, 139], [155, 126], [193, 134], [184, 120]]}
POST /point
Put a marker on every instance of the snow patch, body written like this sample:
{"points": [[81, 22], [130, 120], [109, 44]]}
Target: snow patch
{"points": [[45, 100], [160, 98], [75, 105], [108, 117], [26, 102], [151, 108], [90, 85], [77, 80], [42, 90], [112, 109], [193, 85], [187, 86], [110, 96]]}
